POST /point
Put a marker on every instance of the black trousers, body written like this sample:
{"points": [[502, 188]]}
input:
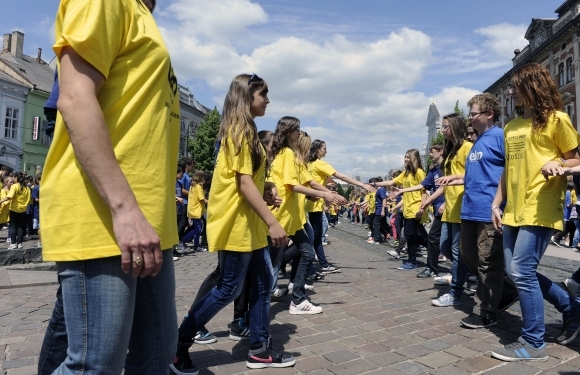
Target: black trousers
{"points": [[433, 249], [17, 226]]}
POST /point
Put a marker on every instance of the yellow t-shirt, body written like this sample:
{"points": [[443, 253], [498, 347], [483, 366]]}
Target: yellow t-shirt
{"points": [[304, 177], [320, 171], [195, 205], [283, 172], [20, 198], [140, 104], [573, 197], [372, 202], [454, 194], [231, 223], [411, 200], [4, 207], [531, 199]]}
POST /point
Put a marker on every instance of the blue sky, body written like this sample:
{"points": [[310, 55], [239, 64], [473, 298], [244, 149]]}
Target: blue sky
{"points": [[359, 75]]}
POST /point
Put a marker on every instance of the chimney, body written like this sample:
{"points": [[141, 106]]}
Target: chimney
{"points": [[17, 43], [39, 58], [7, 42]]}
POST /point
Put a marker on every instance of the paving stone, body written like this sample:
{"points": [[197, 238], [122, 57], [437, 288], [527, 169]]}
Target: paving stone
{"points": [[313, 363], [462, 351], [562, 352], [411, 367], [439, 359], [479, 363], [563, 369], [356, 367], [341, 356], [22, 362], [413, 351], [512, 368]]}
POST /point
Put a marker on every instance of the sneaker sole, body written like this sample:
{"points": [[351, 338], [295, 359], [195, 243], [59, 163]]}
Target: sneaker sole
{"points": [[436, 303], [205, 342], [329, 272], [571, 338], [512, 359], [177, 372], [259, 365], [239, 338], [476, 326], [300, 312]]}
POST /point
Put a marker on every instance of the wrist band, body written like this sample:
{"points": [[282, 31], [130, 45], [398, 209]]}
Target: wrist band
{"points": [[494, 207]]}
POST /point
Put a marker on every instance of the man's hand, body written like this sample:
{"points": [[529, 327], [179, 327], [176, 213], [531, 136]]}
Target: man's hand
{"points": [[139, 243]]}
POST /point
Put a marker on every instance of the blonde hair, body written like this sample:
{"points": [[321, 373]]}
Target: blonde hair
{"points": [[415, 159], [303, 148], [198, 177], [237, 122]]}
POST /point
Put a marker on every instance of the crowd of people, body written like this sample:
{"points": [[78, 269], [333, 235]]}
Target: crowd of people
{"points": [[493, 197]]}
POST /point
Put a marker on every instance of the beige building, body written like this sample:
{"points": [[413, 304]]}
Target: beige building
{"points": [[553, 43]]}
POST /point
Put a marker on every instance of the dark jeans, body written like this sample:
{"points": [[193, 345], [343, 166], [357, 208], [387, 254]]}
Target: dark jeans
{"points": [[433, 239], [316, 222], [18, 226], [240, 303], [234, 266], [482, 252], [181, 223], [371, 223], [194, 233], [300, 265], [412, 234], [569, 228], [399, 224], [377, 227], [55, 344]]}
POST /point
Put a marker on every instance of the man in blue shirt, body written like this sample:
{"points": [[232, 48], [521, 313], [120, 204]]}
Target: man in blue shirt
{"points": [[481, 244], [380, 209], [185, 182], [436, 152]]}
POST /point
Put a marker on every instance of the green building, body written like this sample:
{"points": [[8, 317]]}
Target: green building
{"points": [[25, 84]]}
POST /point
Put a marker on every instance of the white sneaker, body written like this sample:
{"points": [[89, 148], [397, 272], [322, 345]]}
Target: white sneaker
{"points": [[20, 246], [306, 286], [280, 292], [443, 279], [175, 258], [12, 247], [305, 308]]}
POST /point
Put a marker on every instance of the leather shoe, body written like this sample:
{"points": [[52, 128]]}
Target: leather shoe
{"points": [[427, 272]]}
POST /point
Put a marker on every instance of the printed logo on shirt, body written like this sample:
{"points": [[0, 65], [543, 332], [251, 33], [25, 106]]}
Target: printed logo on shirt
{"points": [[475, 156]]}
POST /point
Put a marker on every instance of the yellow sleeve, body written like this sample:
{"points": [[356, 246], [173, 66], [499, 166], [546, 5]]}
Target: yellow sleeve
{"points": [[400, 179], [305, 175], [95, 29], [199, 193], [325, 168], [565, 136], [12, 190], [290, 174], [242, 162]]}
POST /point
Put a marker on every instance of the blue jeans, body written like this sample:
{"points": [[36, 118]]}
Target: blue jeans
{"points": [[316, 222], [233, 268], [523, 248], [194, 233], [449, 245], [576, 232], [101, 306]]}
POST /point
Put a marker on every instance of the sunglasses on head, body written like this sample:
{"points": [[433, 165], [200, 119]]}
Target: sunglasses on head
{"points": [[253, 77]]}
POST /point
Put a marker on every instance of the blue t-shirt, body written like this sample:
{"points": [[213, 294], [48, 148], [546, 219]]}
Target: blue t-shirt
{"points": [[379, 196], [567, 205], [53, 98], [35, 204], [186, 183], [430, 185], [483, 169]]}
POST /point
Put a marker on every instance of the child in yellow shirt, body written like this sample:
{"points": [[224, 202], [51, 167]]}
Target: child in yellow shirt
{"points": [[195, 210]]}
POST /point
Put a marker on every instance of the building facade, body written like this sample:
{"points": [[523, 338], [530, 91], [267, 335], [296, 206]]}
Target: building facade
{"points": [[192, 114], [22, 117], [553, 43]]}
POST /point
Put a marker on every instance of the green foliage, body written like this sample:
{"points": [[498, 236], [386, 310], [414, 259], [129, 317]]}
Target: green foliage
{"points": [[459, 111], [348, 192], [341, 191], [202, 147], [437, 139]]}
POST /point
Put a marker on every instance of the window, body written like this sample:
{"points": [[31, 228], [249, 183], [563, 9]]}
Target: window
{"points": [[561, 79], [11, 122], [569, 70]]}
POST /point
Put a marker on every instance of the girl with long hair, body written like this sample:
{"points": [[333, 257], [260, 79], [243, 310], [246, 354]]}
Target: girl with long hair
{"points": [[539, 144], [414, 230], [19, 197], [320, 171], [196, 206], [457, 148], [238, 224], [284, 173]]}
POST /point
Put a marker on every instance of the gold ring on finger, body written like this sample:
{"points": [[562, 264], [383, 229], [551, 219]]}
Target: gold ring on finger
{"points": [[137, 262]]}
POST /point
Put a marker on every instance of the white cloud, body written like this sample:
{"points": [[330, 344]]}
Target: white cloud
{"points": [[504, 38], [356, 95]]}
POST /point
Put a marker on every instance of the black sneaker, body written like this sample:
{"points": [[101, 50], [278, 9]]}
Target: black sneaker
{"points": [[264, 357], [182, 364], [506, 305], [568, 334], [240, 330], [476, 321], [204, 337], [426, 273], [471, 287]]}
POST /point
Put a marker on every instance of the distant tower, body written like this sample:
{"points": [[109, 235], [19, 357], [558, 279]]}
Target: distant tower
{"points": [[433, 125], [357, 178]]}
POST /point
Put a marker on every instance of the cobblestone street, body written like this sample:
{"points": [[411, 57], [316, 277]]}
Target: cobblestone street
{"points": [[376, 320]]}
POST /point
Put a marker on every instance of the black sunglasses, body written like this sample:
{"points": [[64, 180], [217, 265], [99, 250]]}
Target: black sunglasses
{"points": [[252, 78]]}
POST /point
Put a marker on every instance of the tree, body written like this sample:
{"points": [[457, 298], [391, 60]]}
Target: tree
{"points": [[439, 138], [459, 111], [202, 147], [341, 191]]}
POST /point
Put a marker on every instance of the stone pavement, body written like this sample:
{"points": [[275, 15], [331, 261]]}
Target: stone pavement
{"points": [[376, 320]]}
